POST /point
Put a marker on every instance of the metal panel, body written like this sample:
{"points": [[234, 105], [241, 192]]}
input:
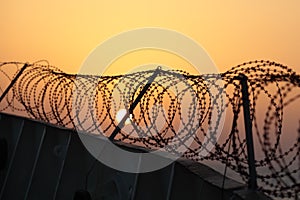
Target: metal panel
{"points": [[11, 130], [23, 161], [77, 163], [159, 181], [49, 165]]}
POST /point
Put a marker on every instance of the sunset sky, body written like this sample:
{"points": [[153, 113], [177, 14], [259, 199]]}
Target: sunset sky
{"points": [[231, 32], [65, 32]]}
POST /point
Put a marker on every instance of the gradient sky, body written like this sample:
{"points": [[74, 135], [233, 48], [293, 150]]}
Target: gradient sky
{"points": [[232, 32], [65, 32]]}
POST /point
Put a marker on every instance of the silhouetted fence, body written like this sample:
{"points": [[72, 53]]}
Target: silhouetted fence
{"points": [[196, 116]]}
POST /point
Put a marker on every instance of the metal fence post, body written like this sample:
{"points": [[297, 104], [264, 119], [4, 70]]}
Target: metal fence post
{"points": [[252, 184]]}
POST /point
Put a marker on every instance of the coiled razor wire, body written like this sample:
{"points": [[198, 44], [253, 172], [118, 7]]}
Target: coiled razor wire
{"points": [[184, 111]]}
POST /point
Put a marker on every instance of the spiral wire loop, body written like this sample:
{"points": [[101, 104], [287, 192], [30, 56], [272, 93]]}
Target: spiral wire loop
{"points": [[178, 109]]}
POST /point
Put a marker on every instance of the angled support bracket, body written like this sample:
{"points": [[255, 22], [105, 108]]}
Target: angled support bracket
{"points": [[134, 104], [13, 81]]}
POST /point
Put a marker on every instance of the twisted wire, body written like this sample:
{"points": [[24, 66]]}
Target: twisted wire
{"points": [[182, 112]]}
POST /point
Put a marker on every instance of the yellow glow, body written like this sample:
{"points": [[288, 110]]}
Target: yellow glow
{"points": [[65, 32], [128, 62], [120, 114]]}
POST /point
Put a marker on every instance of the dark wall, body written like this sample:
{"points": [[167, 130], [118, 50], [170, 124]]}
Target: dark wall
{"points": [[46, 162]]}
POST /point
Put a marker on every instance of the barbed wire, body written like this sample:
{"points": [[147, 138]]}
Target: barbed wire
{"points": [[182, 112]]}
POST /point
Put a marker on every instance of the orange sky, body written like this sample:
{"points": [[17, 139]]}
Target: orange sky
{"points": [[65, 32]]}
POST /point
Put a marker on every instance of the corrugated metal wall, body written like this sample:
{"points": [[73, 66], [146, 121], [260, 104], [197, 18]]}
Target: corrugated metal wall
{"points": [[46, 162]]}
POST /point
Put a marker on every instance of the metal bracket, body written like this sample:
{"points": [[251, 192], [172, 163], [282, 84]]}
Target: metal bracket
{"points": [[13, 81], [134, 104]]}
